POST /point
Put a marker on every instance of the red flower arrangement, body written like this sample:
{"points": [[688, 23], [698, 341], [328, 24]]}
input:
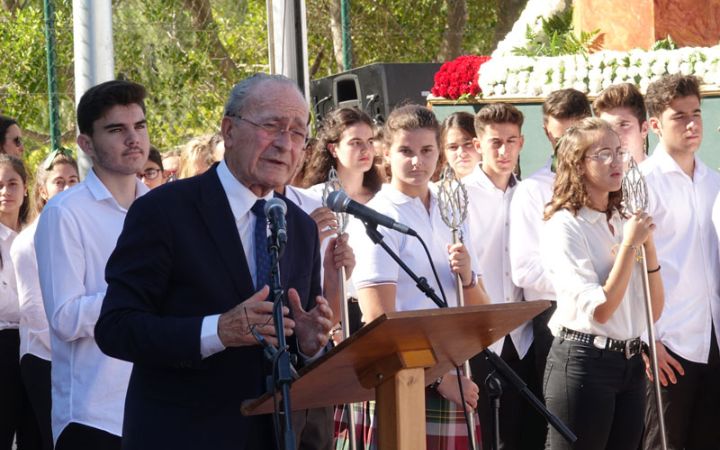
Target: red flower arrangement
{"points": [[459, 77]]}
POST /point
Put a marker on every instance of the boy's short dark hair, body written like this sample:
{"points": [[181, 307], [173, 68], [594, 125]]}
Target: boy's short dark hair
{"points": [[97, 100], [497, 113], [623, 95], [566, 104], [663, 91]]}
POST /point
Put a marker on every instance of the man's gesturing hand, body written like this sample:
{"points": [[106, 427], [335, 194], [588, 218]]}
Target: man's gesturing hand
{"points": [[311, 327], [235, 326]]}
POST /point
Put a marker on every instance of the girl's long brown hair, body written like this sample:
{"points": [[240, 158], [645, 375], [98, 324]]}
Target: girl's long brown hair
{"points": [[321, 160]]}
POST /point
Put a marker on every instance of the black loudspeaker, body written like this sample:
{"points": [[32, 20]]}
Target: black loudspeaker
{"points": [[376, 88]]}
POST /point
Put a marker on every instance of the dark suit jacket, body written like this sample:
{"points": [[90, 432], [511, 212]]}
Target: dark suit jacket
{"points": [[179, 258]]}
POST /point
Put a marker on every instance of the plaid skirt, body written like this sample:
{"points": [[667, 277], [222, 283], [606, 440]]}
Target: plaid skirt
{"points": [[445, 425]]}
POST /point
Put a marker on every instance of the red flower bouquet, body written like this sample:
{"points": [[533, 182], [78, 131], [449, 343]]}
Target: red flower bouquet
{"points": [[459, 77]]}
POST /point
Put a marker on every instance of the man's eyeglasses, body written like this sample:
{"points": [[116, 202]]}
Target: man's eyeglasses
{"points": [[608, 156], [274, 129], [149, 174]]}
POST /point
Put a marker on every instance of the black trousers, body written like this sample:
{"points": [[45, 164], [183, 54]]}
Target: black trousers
{"points": [[35, 374], [521, 426], [692, 406], [82, 437], [542, 338], [599, 395], [16, 417]]}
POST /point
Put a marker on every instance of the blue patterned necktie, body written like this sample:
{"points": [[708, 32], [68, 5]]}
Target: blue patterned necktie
{"points": [[262, 255]]}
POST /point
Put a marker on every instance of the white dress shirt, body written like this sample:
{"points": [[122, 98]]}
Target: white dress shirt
{"points": [[687, 249], [9, 306], [76, 234], [489, 232], [375, 267], [241, 201], [578, 253], [34, 332], [526, 223]]}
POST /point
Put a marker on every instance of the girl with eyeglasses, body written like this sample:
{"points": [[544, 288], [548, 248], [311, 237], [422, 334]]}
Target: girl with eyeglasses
{"points": [[16, 420], [10, 137], [595, 374], [153, 175]]}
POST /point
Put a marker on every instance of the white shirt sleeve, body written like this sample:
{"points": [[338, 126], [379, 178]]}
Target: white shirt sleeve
{"points": [[71, 311], [526, 222], [568, 262], [32, 310], [374, 265]]}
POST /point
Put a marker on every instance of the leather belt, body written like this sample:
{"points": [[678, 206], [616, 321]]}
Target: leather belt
{"points": [[630, 347]]}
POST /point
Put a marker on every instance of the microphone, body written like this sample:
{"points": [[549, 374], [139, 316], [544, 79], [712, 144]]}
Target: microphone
{"points": [[338, 201], [275, 210]]}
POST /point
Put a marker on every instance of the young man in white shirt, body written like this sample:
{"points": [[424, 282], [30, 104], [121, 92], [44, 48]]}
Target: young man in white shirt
{"points": [[681, 194], [623, 107], [76, 233], [561, 110], [490, 188]]}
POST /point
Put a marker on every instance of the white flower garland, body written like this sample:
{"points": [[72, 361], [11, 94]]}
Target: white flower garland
{"points": [[522, 76], [532, 16]]}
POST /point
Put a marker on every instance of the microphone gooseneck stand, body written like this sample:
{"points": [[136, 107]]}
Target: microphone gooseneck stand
{"points": [[422, 284], [500, 366], [282, 369]]}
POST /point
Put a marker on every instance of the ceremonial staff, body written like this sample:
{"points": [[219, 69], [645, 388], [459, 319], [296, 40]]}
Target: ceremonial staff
{"points": [[331, 185], [453, 206], [635, 196]]}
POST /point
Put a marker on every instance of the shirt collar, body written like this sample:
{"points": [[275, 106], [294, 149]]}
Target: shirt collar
{"points": [[592, 216], [100, 192], [484, 181], [6, 232], [667, 164], [399, 198], [241, 198]]}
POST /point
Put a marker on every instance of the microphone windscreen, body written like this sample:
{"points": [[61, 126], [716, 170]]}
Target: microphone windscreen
{"points": [[275, 203], [336, 201]]}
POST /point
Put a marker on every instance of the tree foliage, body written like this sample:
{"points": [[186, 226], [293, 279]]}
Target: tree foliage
{"points": [[188, 53], [397, 31]]}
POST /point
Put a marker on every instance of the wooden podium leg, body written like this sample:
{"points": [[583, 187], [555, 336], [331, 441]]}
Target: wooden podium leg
{"points": [[401, 410]]}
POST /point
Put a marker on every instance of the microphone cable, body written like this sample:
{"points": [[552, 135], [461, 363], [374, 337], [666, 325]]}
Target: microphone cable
{"points": [[457, 368]]}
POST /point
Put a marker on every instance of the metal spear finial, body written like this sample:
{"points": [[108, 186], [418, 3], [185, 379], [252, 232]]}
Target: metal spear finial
{"points": [[634, 188], [452, 200], [331, 185]]}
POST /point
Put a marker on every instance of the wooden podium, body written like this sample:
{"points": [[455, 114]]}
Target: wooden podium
{"points": [[393, 358]]}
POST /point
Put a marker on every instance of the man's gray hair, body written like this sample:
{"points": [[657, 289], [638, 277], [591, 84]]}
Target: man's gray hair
{"points": [[241, 91]]}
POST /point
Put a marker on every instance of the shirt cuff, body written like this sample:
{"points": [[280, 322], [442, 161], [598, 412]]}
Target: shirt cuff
{"points": [[309, 359], [209, 340]]}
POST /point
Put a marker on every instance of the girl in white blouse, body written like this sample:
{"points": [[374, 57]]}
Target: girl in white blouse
{"points": [[412, 147], [14, 210], [53, 176], [594, 378]]}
